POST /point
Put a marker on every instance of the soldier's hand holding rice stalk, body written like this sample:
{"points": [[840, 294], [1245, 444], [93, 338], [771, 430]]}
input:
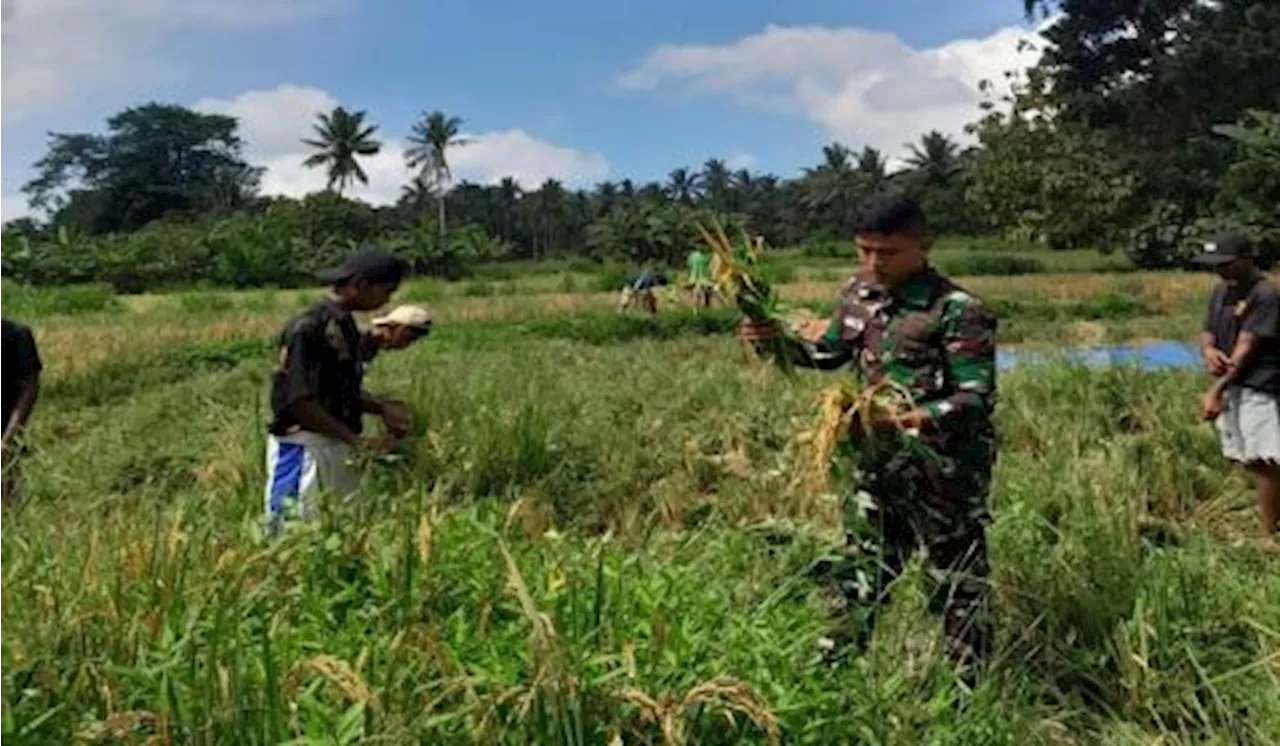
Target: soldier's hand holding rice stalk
{"points": [[864, 415], [735, 271]]}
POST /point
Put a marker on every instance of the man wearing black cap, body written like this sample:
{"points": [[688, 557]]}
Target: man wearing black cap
{"points": [[317, 402], [1240, 344]]}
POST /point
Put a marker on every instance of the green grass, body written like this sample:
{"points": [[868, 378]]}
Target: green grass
{"points": [[596, 510], [959, 255], [72, 300]]}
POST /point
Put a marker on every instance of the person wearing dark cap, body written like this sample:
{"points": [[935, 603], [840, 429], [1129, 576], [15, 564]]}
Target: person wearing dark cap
{"points": [[317, 398], [1240, 344]]}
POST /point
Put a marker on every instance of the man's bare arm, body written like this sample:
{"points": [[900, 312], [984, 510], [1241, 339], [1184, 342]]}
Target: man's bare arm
{"points": [[370, 403], [1246, 343], [311, 416], [22, 409]]}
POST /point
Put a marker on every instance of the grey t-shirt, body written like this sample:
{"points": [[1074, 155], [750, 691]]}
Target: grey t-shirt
{"points": [[1250, 306]]}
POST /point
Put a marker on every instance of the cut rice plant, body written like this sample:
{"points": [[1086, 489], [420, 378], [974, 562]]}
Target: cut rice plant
{"points": [[735, 270], [847, 412]]}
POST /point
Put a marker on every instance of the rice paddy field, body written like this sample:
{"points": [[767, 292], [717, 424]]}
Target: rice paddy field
{"points": [[596, 536]]}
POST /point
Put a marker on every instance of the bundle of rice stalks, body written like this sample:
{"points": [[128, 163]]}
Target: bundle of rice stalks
{"points": [[844, 411], [723, 694], [735, 270]]}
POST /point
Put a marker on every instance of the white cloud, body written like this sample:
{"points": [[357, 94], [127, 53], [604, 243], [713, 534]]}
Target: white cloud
{"points": [[494, 155], [863, 87], [54, 49], [13, 206], [273, 123], [739, 161]]}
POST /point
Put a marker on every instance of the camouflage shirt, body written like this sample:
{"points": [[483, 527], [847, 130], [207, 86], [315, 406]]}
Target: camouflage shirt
{"points": [[931, 337]]}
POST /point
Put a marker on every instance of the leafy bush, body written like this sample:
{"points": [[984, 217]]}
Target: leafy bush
{"points": [[827, 247], [611, 277], [281, 244], [652, 232], [583, 265], [1159, 241], [478, 289]]}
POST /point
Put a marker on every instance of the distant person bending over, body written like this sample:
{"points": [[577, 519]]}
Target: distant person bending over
{"points": [[699, 266], [899, 320], [640, 290], [317, 399], [22, 369], [1240, 345]]}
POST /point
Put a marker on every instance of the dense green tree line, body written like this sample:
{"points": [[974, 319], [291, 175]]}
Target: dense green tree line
{"points": [[1143, 125]]}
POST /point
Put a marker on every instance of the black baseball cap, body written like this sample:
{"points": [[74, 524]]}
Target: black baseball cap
{"points": [[1224, 248], [369, 263]]}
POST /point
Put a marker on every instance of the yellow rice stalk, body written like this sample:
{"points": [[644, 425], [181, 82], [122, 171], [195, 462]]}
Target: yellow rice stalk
{"points": [[423, 540], [732, 272], [722, 693], [843, 410], [344, 679], [735, 273]]}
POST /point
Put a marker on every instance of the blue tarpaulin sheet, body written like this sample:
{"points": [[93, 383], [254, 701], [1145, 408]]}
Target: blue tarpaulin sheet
{"points": [[1151, 356]]}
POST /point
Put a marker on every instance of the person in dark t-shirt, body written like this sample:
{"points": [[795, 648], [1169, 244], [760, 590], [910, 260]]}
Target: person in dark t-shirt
{"points": [[317, 396], [21, 383], [639, 290], [1240, 344]]}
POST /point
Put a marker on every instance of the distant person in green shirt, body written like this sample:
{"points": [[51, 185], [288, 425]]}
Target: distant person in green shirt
{"points": [[699, 265]]}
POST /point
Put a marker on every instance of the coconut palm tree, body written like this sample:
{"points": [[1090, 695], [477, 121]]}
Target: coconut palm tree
{"points": [[416, 192], [682, 185], [716, 183], [830, 190], [606, 197], [507, 198], [429, 142], [936, 158], [342, 137], [873, 167], [836, 157]]}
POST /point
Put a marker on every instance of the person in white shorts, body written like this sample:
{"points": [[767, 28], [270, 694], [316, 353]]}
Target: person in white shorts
{"points": [[1240, 344], [317, 399]]}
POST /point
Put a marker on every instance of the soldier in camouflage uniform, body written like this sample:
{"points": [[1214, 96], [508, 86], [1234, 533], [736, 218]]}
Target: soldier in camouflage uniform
{"points": [[925, 487]]}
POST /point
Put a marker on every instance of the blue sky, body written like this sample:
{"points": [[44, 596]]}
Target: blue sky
{"points": [[580, 91]]}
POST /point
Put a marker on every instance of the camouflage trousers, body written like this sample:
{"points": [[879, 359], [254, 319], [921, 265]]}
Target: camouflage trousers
{"points": [[927, 503]]}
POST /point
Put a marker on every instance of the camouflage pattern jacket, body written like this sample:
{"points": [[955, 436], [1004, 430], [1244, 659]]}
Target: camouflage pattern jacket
{"points": [[931, 337]]}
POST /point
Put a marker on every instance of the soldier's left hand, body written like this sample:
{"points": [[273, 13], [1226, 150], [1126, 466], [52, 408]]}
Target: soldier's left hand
{"points": [[889, 423]]}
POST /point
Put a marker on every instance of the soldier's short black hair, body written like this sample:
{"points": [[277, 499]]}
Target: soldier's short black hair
{"points": [[890, 214]]}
